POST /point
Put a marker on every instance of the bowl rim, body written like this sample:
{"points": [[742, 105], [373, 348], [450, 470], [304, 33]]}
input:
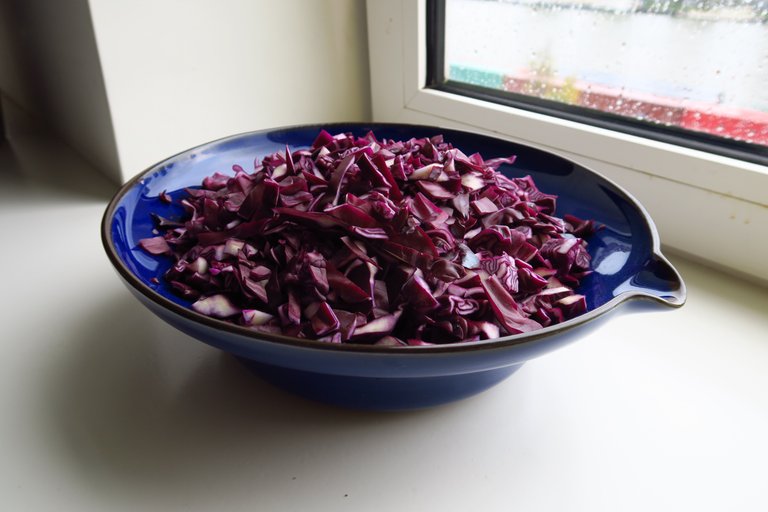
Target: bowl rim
{"points": [[464, 346]]}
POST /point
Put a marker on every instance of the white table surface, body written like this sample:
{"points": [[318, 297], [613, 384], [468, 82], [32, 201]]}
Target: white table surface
{"points": [[106, 408]]}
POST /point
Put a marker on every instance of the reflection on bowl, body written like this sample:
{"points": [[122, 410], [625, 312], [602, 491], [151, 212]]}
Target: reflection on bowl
{"points": [[626, 259]]}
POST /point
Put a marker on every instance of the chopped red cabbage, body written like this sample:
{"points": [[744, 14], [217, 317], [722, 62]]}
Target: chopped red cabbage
{"points": [[360, 240]]}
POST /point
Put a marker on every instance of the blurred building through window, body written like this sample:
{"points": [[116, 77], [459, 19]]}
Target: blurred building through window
{"points": [[698, 65]]}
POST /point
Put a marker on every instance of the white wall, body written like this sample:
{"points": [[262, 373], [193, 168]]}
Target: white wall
{"points": [[150, 78], [179, 73], [49, 65]]}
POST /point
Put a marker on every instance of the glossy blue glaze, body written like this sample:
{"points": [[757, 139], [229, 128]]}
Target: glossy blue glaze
{"points": [[625, 255]]}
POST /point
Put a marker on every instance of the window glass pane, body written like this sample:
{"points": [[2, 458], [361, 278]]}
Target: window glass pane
{"points": [[701, 65]]}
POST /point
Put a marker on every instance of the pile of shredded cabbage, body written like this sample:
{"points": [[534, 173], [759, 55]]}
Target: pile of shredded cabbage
{"points": [[360, 240]]}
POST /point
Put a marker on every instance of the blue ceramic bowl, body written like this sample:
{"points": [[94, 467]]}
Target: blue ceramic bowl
{"points": [[625, 254]]}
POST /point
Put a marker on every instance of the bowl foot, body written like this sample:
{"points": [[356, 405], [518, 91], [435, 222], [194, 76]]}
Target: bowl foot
{"points": [[379, 393]]}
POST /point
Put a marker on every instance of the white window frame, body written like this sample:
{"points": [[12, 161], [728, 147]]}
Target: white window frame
{"points": [[708, 207]]}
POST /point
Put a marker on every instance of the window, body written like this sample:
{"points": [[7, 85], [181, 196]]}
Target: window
{"points": [[687, 71], [707, 205]]}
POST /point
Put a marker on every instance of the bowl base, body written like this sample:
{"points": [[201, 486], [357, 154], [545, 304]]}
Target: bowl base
{"points": [[379, 393]]}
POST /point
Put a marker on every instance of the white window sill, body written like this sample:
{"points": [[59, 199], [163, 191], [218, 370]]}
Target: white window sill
{"points": [[669, 400]]}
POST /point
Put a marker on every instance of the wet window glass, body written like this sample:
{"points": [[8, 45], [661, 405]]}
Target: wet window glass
{"points": [[697, 65]]}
